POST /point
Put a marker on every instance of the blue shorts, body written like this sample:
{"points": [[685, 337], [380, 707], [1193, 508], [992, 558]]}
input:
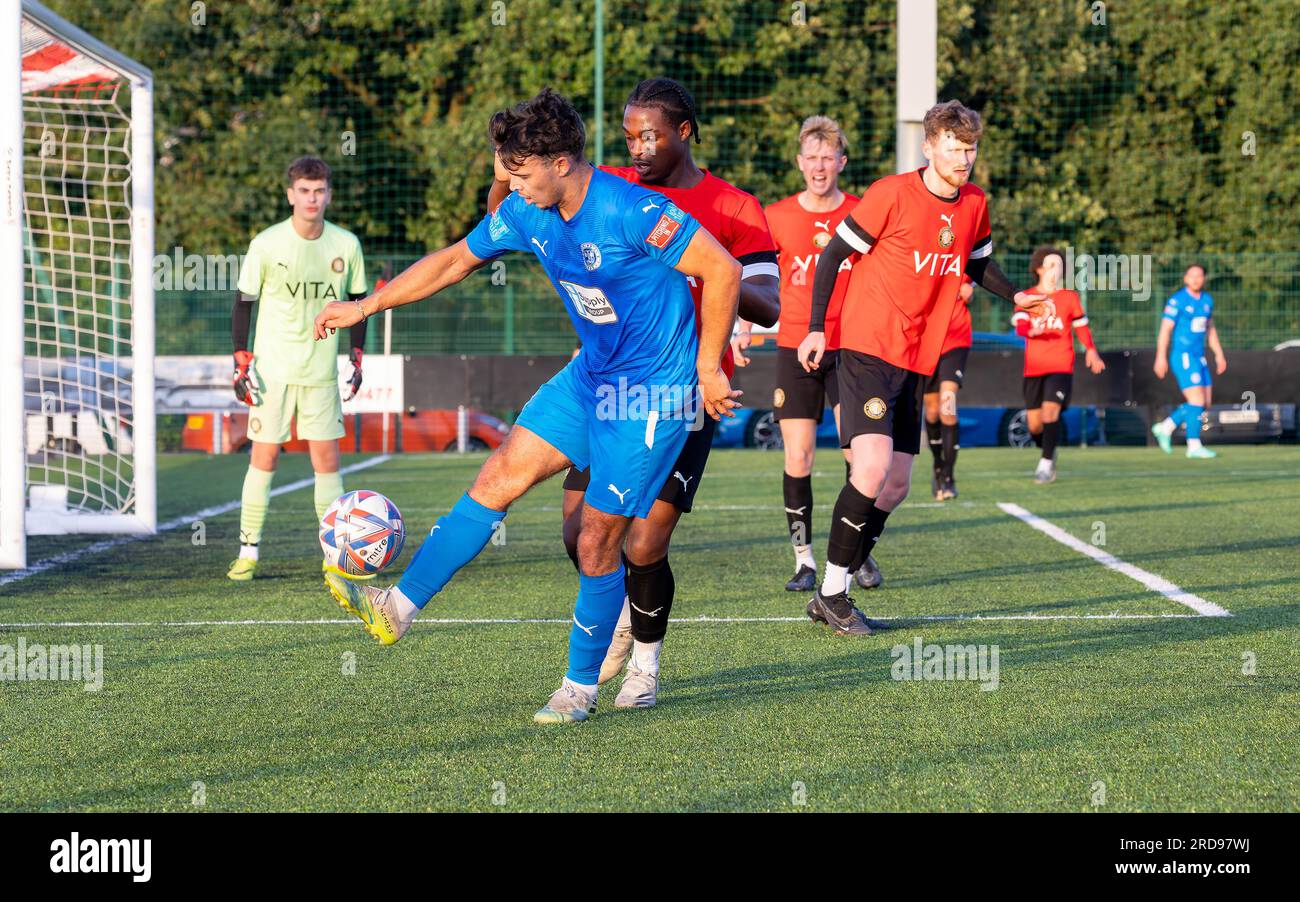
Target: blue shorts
{"points": [[1190, 369], [630, 452]]}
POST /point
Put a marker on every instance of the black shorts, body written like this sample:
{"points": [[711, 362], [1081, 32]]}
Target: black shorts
{"points": [[1051, 387], [951, 368], [688, 470], [878, 398], [801, 395]]}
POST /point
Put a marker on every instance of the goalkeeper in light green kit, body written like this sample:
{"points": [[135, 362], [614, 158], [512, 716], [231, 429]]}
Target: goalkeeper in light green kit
{"points": [[294, 269]]}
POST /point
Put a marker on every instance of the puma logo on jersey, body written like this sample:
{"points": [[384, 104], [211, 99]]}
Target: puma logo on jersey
{"points": [[686, 481], [618, 493], [653, 613], [650, 206], [856, 526], [585, 629], [797, 511], [946, 218], [822, 225], [541, 245]]}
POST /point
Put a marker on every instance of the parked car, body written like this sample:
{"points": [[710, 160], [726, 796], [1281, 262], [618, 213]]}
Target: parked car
{"points": [[425, 430]]}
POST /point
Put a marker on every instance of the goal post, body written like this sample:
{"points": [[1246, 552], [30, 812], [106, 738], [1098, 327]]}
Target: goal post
{"points": [[77, 441]]}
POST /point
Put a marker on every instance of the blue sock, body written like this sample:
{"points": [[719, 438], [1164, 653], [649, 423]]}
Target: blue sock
{"points": [[1194, 420], [1179, 416], [600, 601], [456, 540]]}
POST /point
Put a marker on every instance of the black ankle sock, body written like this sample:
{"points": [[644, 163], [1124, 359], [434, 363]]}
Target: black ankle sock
{"points": [[933, 432], [870, 535], [851, 507], [798, 507], [1051, 435], [650, 597], [951, 434]]}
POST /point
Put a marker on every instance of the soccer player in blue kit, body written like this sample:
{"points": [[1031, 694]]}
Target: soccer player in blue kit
{"points": [[617, 254], [1188, 320]]}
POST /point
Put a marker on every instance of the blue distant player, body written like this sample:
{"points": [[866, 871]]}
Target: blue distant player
{"points": [[618, 255], [1188, 318]]}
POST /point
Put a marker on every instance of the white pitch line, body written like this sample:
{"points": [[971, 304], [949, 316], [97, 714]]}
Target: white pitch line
{"points": [[506, 621], [95, 548], [1150, 580]]}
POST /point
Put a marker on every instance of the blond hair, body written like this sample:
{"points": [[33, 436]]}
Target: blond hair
{"points": [[823, 128]]}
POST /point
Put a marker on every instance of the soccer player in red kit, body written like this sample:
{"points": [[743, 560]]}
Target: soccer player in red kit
{"points": [[1049, 355], [940, 395], [919, 232], [802, 225], [659, 121]]}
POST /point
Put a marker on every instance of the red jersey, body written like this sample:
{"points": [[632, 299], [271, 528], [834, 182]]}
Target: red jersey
{"points": [[731, 216], [959, 327], [1053, 350], [917, 246], [800, 236]]}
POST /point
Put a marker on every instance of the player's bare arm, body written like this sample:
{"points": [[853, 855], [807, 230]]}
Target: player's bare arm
{"points": [[760, 302], [424, 278], [1212, 340], [1161, 366], [709, 262]]}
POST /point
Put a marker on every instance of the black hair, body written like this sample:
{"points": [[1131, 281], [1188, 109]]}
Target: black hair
{"points": [[547, 126], [667, 95]]}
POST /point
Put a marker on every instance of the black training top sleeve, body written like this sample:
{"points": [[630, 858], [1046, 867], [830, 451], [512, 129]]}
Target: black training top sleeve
{"points": [[357, 334], [241, 320], [828, 270], [990, 276]]}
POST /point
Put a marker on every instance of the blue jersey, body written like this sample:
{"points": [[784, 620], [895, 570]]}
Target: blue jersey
{"points": [[612, 265], [1191, 319]]}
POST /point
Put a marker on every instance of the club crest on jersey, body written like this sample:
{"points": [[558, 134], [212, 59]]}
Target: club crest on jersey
{"points": [[875, 408], [946, 237], [590, 256], [778, 399], [821, 239], [337, 264]]}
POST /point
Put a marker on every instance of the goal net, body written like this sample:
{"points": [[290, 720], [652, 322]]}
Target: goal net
{"points": [[76, 293]]}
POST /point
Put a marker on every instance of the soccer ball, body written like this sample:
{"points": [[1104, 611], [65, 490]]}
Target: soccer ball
{"points": [[361, 533]]}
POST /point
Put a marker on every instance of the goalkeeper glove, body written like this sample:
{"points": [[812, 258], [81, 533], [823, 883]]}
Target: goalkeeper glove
{"points": [[244, 382], [354, 357]]}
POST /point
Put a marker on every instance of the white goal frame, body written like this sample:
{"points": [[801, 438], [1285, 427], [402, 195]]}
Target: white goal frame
{"points": [[16, 520]]}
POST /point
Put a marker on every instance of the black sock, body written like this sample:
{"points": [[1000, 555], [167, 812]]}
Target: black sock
{"points": [[870, 534], [1051, 434], [951, 435], [798, 508], [650, 598], [850, 507], [1037, 437], [934, 432]]}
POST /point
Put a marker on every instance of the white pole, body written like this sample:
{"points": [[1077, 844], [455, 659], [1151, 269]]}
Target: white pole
{"points": [[918, 34], [388, 349], [13, 456], [142, 304], [462, 429]]}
